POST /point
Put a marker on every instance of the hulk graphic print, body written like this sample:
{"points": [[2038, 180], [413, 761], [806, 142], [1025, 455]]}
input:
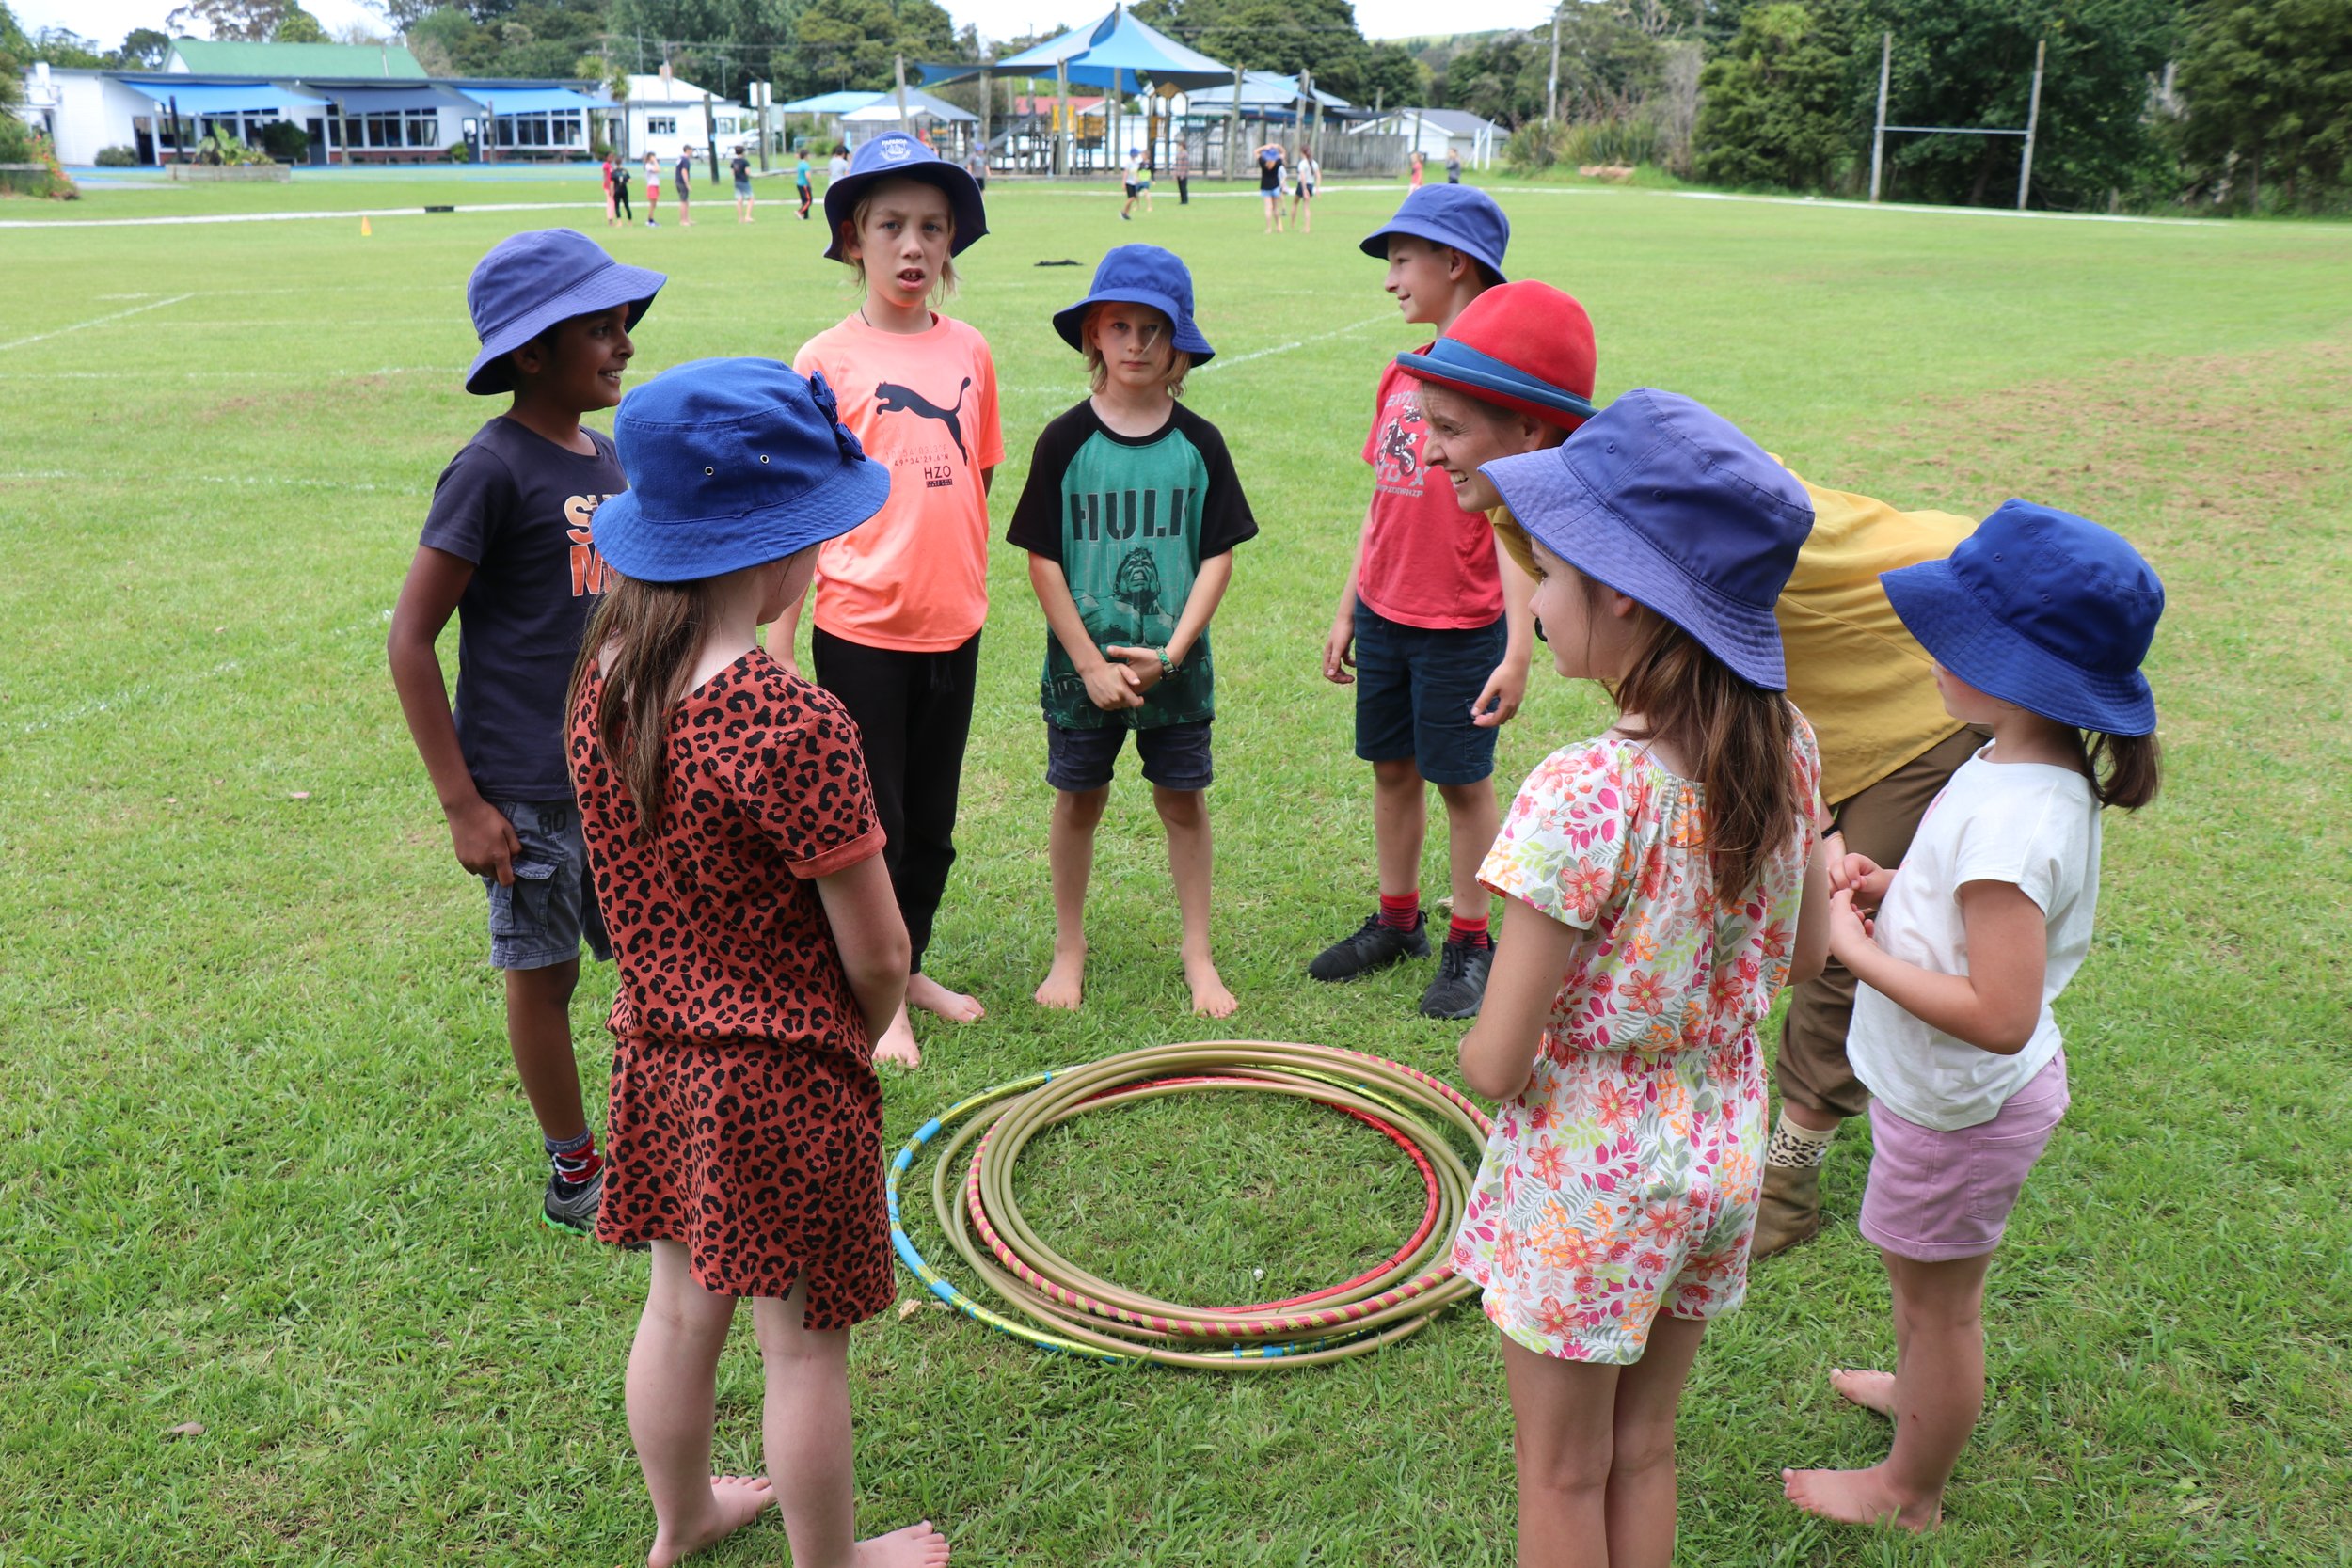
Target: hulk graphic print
{"points": [[1130, 519]]}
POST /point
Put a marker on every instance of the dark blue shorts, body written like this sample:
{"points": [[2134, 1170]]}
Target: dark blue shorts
{"points": [[1414, 688], [1175, 756], [541, 918]]}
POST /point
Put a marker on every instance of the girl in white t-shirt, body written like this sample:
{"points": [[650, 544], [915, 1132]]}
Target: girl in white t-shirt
{"points": [[2038, 625], [1303, 193]]}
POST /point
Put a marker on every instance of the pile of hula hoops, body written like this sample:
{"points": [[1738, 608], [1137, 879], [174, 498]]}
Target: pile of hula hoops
{"points": [[1055, 1303]]}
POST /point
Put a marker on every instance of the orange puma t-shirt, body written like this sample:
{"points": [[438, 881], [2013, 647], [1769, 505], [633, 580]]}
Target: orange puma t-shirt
{"points": [[915, 578]]}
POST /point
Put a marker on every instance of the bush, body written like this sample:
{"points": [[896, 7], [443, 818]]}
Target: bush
{"points": [[1631, 137], [459, 152], [118, 157], [285, 141]]}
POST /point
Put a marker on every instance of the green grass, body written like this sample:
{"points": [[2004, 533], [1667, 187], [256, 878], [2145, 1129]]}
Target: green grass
{"points": [[264, 1164]]}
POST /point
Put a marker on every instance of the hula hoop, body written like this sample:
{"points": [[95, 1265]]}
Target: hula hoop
{"points": [[1056, 1306]]}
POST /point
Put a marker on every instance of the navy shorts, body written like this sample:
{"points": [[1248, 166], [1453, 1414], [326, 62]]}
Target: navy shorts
{"points": [[1414, 687], [1175, 756], [541, 918]]}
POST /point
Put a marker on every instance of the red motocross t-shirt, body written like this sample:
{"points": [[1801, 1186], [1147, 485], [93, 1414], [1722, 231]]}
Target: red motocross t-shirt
{"points": [[1428, 562]]}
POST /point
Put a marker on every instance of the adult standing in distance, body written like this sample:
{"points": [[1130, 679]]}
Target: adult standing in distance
{"points": [[1182, 169]]}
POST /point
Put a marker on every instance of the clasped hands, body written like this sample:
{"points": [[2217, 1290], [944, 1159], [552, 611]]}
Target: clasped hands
{"points": [[1125, 676]]}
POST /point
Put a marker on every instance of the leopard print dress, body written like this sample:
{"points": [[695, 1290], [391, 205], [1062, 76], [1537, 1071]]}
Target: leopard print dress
{"points": [[746, 1116]]}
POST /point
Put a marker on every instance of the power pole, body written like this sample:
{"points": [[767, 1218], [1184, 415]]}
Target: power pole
{"points": [[710, 135], [899, 66], [1062, 126], [2033, 116], [1878, 131], [1232, 139], [1551, 91]]}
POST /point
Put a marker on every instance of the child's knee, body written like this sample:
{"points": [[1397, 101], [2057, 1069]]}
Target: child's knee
{"points": [[1466, 799], [1640, 1447], [1181, 808], [1083, 808], [1564, 1469]]}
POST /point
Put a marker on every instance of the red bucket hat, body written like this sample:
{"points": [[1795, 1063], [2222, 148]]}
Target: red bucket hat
{"points": [[1525, 346]]}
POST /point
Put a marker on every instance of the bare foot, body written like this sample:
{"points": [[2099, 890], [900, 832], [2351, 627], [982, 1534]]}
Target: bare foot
{"points": [[735, 1501], [1859, 1498], [1210, 999], [916, 1547], [929, 994], [1065, 982], [898, 1044], [1870, 1390]]}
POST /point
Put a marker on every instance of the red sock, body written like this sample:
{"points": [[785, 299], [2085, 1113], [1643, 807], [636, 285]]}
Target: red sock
{"points": [[577, 1161], [1467, 930], [1404, 912]]}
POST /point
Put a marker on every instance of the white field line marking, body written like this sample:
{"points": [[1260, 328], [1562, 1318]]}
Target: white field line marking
{"points": [[230, 375], [1220, 362], [126, 696], [95, 320], [416, 210], [239, 481]]}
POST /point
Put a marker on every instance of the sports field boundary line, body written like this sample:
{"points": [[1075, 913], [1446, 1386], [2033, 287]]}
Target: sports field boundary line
{"points": [[95, 320], [1268, 353]]}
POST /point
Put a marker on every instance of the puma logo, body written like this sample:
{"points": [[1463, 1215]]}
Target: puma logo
{"points": [[891, 397]]}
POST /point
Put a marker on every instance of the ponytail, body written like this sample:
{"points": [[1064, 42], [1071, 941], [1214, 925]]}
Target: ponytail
{"points": [[1735, 735], [654, 630], [2125, 770]]}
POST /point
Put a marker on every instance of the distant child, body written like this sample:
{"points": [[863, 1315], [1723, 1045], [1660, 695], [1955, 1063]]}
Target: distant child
{"points": [[2038, 622], [838, 167], [1270, 161], [740, 168], [1414, 183], [760, 951], [684, 174], [976, 165], [1130, 517], [653, 188], [1453, 166], [1670, 885], [1303, 194], [1182, 167], [506, 548], [1432, 624], [803, 185], [900, 602], [1137, 179], [620, 192], [606, 173]]}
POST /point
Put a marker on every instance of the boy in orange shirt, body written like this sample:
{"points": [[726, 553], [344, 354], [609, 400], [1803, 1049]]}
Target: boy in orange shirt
{"points": [[899, 601]]}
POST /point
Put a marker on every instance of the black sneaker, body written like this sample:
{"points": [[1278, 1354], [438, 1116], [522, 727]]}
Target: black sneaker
{"points": [[572, 1205], [1376, 946], [1460, 988]]}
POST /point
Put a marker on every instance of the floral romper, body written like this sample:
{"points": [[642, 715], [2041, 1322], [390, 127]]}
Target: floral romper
{"points": [[1622, 1183]]}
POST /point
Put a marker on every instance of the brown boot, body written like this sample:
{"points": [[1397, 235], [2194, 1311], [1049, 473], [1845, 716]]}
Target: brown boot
{"points": [[1789, 1211]]}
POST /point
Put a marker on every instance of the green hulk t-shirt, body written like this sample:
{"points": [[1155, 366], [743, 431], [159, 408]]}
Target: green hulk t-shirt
{"points": [[1129, 519]]}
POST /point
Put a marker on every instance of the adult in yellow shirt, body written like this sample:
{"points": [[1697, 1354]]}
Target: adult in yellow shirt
{"points": [[1866, 686]]}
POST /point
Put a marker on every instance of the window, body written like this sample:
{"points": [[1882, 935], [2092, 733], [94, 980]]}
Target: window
{"points": [[661, 125]]}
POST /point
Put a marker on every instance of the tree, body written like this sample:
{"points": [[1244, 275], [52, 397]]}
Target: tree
{"points": [[67, 50], [2269, 87], [144, 49], [1776, 107], [298, 26], [238, 21]]}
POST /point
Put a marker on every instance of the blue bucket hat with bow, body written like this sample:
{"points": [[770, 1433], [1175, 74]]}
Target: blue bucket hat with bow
{"points": [[1140, 275], [896, 155], [530, 283], [732, 462]]}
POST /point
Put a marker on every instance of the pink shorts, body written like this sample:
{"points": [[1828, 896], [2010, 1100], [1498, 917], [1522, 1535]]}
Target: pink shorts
{"points": [[1934, 1196]]}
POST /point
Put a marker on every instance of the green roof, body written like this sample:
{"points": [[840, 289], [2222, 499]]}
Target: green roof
{"points": [[297, 59]]}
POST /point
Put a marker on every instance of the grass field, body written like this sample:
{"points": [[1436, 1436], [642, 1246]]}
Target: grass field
{"points": [[263, 1166]]}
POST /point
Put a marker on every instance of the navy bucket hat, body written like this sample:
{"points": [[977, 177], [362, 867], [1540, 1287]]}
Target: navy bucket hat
{"points": [[732, 462], [1669, 503], [896, 155], [1462, 217], [529, 283], [2041, 608], [1140, 275]]}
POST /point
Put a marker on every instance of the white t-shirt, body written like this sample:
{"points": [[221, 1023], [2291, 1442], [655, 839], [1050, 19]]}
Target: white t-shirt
{"points": [[838, 168], [2031, 825], [1134, 171], [1309, 171]]}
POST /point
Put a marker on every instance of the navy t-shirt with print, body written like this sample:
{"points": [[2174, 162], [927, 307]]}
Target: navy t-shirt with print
{"points": [[1130, 519], [518, 507]]}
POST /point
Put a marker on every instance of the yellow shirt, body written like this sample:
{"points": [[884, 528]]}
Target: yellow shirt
{"points": [[1853, 670]]}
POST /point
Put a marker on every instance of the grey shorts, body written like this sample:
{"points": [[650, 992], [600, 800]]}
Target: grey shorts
{"points": [[541, 918], [1175, 756]]}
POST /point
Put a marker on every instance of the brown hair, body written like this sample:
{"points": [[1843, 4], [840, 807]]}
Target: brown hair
{"points": [[855, 222], [1098, 373], [654, 630], [2125, 770], [1734, 736]]}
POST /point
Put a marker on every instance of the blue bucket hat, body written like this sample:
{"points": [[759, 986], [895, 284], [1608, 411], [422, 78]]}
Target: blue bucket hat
{"points": [[1462, 217], [2041, 608], [896, 155], [1140, 275], [1667, 502], [529, 283], [732, 462]]}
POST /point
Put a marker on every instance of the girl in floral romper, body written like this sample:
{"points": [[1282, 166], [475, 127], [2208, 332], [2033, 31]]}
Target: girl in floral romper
{"points": [[1665, 870]]}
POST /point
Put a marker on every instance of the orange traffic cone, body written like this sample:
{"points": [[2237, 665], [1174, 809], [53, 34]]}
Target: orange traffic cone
{"points": [[364, 229]]}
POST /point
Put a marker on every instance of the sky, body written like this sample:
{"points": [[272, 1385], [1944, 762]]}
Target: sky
{"points": [[107, 20]]}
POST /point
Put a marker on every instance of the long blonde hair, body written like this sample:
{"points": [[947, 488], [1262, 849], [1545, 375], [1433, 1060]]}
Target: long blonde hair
{"points": [[654, 630]]}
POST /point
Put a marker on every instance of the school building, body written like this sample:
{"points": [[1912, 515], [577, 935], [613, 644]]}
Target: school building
{"points": [[355, 103]]}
